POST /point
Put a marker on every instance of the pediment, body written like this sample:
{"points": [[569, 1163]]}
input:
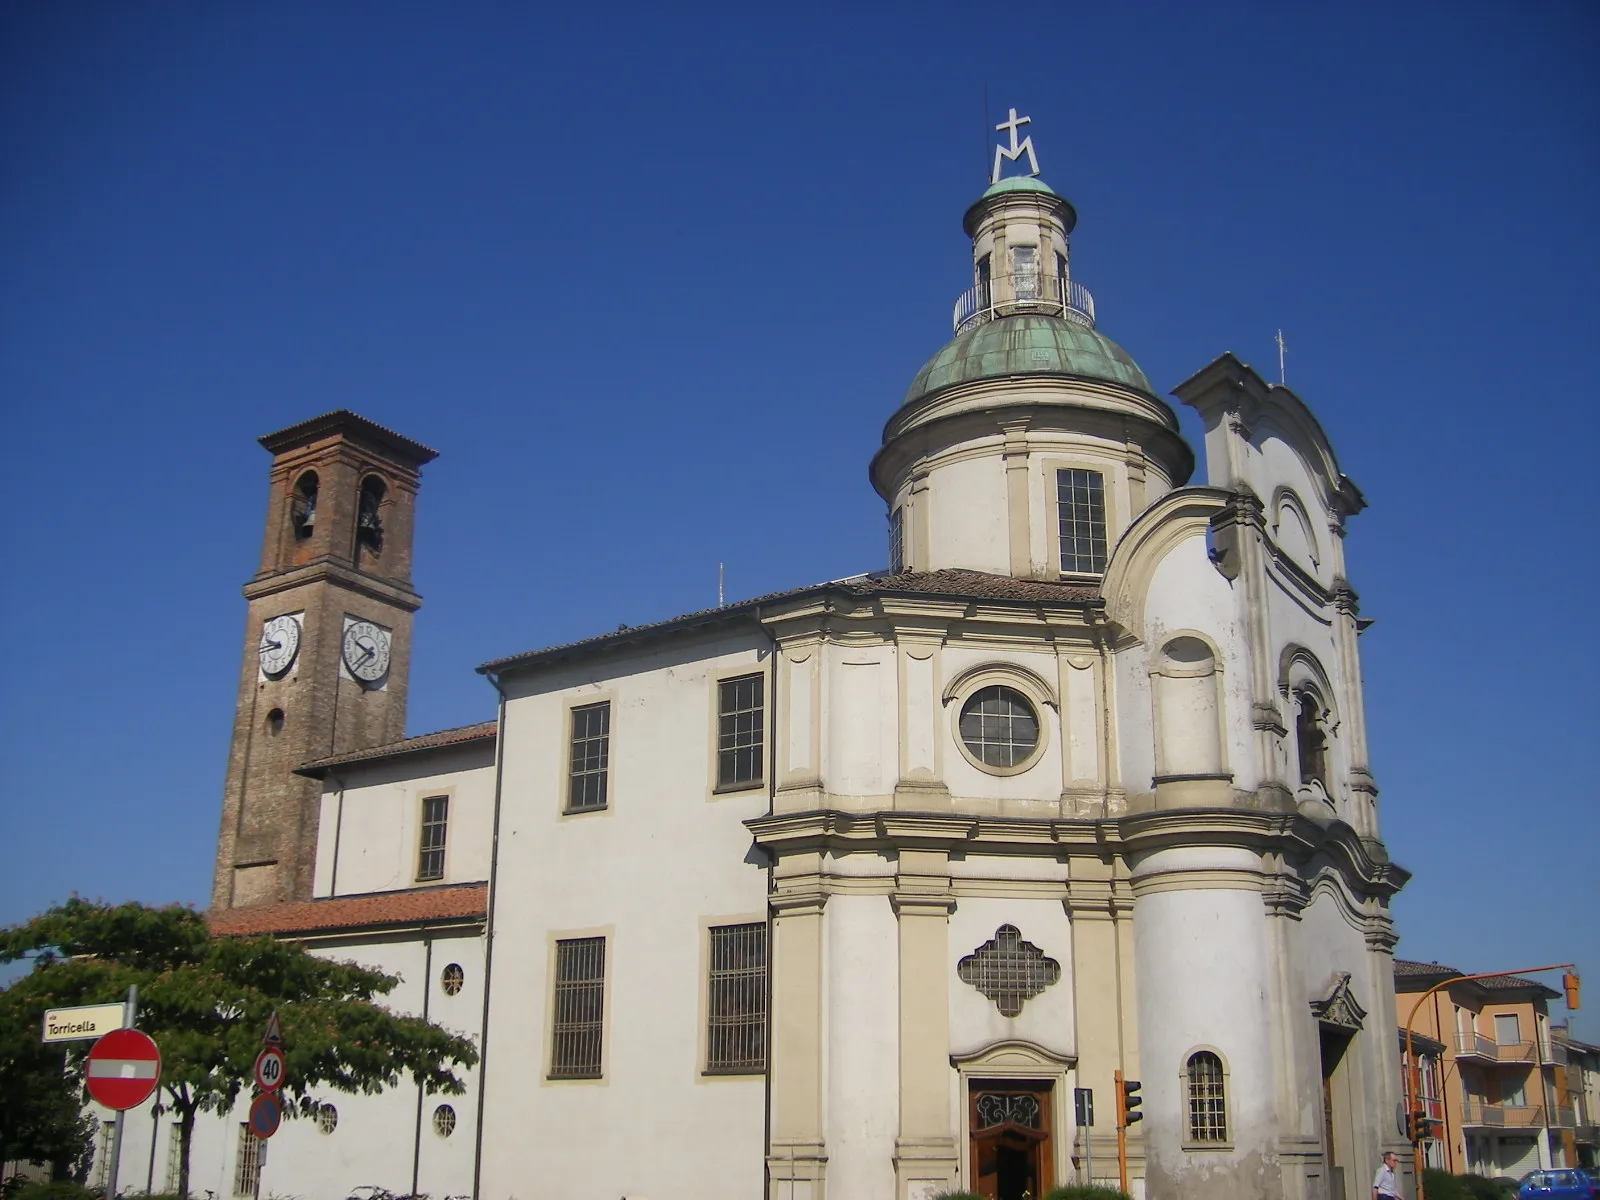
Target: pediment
{"points": [[1339, 1007]]}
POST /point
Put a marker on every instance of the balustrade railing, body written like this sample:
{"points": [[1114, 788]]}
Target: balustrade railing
{"points": [[1006, 295], [1516, 1116], [1475, 1045]]}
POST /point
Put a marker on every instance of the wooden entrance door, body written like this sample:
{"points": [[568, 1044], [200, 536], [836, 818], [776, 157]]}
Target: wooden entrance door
{"points": [[1010, 1139]]}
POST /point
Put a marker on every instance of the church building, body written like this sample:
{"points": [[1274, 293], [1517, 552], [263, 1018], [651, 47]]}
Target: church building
{"points": [[851, 892]]}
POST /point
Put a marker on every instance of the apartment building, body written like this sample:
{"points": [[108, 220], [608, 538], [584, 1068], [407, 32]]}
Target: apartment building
{"points": [[1501, 1076], [1582, 1073]]}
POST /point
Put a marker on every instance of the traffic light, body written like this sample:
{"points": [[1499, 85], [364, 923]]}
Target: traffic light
{"points": [[1418, 1127], [1569, 983], [1130, 1101]]}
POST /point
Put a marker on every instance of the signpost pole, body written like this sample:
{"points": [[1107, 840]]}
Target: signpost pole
{"points": [[130, 1014]]}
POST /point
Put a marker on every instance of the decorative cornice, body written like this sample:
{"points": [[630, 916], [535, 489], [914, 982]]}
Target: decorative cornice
{"points": [[328, 570]]}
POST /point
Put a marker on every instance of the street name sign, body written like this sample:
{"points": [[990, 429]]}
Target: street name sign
{"points": [[85, 1021], [122, 1069]]}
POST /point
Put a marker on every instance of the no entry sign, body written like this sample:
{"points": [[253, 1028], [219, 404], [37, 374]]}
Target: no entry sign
{"points": [[122, 1069]]}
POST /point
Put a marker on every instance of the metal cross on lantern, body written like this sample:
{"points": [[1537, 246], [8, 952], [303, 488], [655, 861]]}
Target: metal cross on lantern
{"points": [[1016, 149]]}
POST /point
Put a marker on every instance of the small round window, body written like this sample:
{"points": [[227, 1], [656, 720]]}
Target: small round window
{"points": [[327, 1118], [999, 727], [451, 979], [444, 1120]]}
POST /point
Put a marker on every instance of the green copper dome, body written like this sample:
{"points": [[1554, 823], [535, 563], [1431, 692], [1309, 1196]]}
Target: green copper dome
{"points": [[1026, 345], [1019, 183]]}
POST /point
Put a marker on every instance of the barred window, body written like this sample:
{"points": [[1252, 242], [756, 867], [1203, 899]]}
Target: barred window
{"points": [[739, 732], [897, 546], [736, 1020], [999, 727], [102, 1155], [444, 1120], [591, 757], [1080, 501], [1208, 1115], [452, 978], [430, 859], [174, 1157], [579, 1008], [247, 1163], [327, 1118]]}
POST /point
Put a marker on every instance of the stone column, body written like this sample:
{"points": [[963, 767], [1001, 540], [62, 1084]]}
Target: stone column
{"points": [[926, 1157]]}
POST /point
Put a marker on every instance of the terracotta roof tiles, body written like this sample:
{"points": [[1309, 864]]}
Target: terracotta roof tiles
{"points": [[949, 584], [374, 911], [459, 735]]}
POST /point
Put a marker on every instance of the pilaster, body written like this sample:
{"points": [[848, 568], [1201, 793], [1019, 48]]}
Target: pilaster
{"points": [[926, 1158], [797, 1157]]}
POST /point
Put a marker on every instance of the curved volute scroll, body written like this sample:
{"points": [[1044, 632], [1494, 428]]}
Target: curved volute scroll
{"points": [[1171, 520]]}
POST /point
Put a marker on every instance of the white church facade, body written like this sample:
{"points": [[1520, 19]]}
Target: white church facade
{"points": [[842, 893]]}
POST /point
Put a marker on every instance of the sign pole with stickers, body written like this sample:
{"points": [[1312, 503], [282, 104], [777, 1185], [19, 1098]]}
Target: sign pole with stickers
{"points": [[130, 1014], [266, 1110]]}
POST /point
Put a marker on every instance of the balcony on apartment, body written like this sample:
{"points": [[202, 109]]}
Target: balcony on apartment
{"points": [[1483, 1048], [1481, 1115]]}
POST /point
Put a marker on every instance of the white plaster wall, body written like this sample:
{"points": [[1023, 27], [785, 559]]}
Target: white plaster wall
{"points": [[375, 821], [665, 859], [859, 749], [1202, 961], [1046, 1020], [861, 1085], [1187, 594], [377, 1138], [1042, 780], [968, 517]]}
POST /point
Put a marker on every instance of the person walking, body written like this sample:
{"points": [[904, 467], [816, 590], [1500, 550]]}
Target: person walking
{"points": [[1383, 1185]]}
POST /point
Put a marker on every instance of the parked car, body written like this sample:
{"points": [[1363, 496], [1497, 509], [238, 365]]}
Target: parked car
{"points": [[1567, 1184]]}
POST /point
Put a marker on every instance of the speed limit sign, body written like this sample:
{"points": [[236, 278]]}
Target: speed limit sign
{"points": [[269, 1069]]}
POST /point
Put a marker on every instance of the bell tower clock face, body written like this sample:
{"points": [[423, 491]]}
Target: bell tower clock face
{"points": [[365, 651], [280, 642]]}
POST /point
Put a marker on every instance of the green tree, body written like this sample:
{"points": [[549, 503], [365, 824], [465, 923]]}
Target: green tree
{"points": [[206, 1002]]}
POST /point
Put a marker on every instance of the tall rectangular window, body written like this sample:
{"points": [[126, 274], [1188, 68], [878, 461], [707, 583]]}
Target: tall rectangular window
{"points": [[739, 731], [736, 1007], [1025, 272], [897, 545], [579, 1026], [1080, 501], [430, 857], [247, 1163], [591, 757], [174, 1157]]}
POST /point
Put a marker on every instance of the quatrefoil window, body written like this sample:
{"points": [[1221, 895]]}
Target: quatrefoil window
{"points": [[1009, 970]]}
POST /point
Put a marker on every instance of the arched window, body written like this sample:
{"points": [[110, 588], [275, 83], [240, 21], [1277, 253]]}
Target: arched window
{"points": [[303, 505], [1310, 739], [369, 523], [1187, 715], [1208, 1101]]}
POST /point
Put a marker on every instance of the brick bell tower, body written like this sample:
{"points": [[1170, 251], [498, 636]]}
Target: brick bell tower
{"points": [[327, 642]]}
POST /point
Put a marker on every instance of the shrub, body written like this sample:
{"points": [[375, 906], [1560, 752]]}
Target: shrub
{"points": [[1477, 1187], [1441, 1185], [62, 1189], [1081, 1192]]}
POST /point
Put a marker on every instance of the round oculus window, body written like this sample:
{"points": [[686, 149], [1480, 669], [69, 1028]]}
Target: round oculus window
{"points": [[999, 727], [327, 1118], [444, 1120], [452, 978]]}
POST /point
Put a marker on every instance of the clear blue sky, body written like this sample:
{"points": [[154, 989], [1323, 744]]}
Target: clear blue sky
{"points": [[652, 277]]}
